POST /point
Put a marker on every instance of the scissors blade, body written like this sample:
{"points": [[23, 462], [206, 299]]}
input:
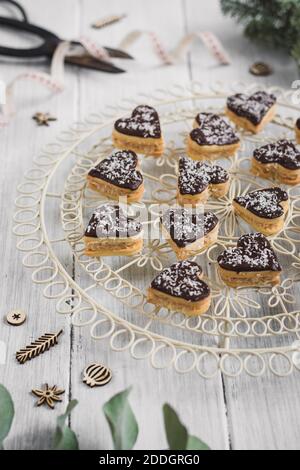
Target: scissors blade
{"points": [[88, 62], [112, 52], [118, 53]]}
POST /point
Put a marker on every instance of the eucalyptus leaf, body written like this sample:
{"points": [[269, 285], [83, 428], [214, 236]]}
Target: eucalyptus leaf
{"points": [[121, 420], [6, 413], [64, 437], [176, 432], [194, 443]]}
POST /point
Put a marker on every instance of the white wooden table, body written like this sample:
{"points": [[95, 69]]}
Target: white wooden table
{"points": [[243, 413]]}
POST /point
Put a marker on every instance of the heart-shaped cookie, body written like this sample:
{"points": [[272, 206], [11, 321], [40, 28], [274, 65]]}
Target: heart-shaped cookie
{"points": [[110, 221], [182, 280], [278, 161], [117, 176], [211, 137], [251, 112], [198, 180], [141, 132], [144, 122], [188, 231], [211, 129], [264, 209], [110, 232], [297, 130], [253, 262], [282, 152]]}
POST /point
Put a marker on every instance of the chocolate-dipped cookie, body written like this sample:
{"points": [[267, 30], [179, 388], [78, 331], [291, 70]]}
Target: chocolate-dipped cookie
{"points": [[279, 161], [179, 287], [110, 232], [252, 263], [251, 112], [188, 231], [199, 180], [263, 209], [118, 176], [212, 137], [297, 131], [141, 132]]}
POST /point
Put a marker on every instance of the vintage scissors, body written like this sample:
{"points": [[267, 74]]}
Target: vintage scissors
{"points": [[50, 43]]}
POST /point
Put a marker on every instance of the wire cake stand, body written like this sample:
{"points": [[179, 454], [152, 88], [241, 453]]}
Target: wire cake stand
{"points": [[251, 330]]}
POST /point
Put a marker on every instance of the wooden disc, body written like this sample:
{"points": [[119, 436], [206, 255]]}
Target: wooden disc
{"points": [[260, 69], [16, 317]]}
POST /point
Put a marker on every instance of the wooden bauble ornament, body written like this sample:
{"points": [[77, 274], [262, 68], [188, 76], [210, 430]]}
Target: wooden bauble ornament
{"points": [[96, 375]]}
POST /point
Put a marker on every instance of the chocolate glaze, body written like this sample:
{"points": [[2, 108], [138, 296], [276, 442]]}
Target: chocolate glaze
{"points": [[282, 152], [298, 123], [253, 107], [253, 253], [110, 221], [119, 169], [182, 280], [213, 130], [194, 177], [264, 202], [144, 122], [185, 226]]}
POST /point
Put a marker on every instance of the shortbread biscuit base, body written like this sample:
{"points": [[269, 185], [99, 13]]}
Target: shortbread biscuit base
{"points": [[214, 190], [249, 278], [210, 152], [114, 192], [261, 224], [297, 132], [192, 249], [161, 299], [275, 172], [113, 246], [147, 145], [248, 125]]}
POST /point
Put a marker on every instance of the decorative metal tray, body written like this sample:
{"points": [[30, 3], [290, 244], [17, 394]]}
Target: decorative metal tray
{"points": [[245, 329]]}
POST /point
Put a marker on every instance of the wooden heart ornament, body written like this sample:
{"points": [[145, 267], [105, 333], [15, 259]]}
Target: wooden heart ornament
{"points": [[252, 112], [118, 176], [179, 287], [141, 132], [199, 180], [263, 209], [211, 137], [252, 263]]}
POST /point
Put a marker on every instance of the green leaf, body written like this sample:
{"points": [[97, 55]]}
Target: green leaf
{"points": [[177, 435], [6, 413], [194, 443], [176, 432], [64, 437], [121, 420]]}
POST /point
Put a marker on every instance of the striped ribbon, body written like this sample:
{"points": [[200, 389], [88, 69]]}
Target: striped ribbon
{"points": [[55, 79]]}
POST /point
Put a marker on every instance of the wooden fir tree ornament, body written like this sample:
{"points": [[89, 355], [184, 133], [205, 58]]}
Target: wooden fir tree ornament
{"points": [[38, 347]]}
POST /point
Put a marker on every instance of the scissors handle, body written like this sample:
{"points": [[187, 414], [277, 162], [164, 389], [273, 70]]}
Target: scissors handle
{"points": [[45, 49]]}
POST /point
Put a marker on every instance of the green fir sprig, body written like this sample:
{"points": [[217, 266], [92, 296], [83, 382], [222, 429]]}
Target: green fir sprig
{"points": [[275, 23]]}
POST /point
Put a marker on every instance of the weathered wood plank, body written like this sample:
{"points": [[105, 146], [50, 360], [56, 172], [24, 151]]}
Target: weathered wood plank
{"points": [[20, 143], [263, 412]]}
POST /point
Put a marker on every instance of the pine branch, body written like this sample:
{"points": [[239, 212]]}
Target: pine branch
{"points": [[38, 347], [275, 23]]}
